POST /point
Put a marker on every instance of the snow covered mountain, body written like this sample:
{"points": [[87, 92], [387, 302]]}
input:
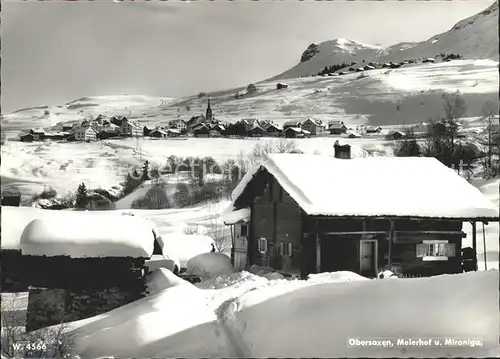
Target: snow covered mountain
{"points": [[475, 37], [327, 53]]}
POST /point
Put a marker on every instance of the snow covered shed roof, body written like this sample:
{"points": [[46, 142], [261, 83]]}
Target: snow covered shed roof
{"points": [[326, 186], [88, 236]]}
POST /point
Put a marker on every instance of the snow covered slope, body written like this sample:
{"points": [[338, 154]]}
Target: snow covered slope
{"points": [[475, 37], [243, 315]]}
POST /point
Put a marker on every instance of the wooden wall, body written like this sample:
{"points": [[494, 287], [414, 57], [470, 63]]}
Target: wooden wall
{"points": [[276, 217]]}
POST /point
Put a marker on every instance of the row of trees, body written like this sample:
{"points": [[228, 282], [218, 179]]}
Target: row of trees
{"points": [[442, 139]]}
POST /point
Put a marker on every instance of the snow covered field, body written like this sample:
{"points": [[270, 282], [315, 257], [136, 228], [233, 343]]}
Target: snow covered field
{"points": [[245, 315], [63, 166]]}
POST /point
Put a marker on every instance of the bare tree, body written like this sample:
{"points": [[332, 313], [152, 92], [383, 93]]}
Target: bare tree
{"points": [[491, 140], [455, 109], [51, 342]]}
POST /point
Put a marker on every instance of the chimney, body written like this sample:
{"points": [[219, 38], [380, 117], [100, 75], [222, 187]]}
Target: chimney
{"points": [[342, 152]]}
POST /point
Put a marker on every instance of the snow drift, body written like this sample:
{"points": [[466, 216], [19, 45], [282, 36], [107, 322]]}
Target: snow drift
{"points": [[281, 318]]}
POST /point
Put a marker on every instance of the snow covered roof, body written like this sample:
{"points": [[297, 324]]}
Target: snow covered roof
{"points": [[374, 186], [240, 215], [88, 236]]}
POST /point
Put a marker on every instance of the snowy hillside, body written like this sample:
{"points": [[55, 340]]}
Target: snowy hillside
{"points": [[406, 95], [473, 38]]}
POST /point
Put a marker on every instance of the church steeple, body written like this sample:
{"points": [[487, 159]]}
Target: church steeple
{"points": [[208, 113]]}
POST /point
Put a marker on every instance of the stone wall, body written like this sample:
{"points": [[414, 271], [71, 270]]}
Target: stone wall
{"points": [[53, 306]]}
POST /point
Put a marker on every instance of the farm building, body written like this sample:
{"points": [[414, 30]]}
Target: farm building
{"points": [[201, 130], [273, 129], [395, 135], [296, 124], [130, 128], [85, 134], [315, 127], [280, 86], [178, 124], [158, 133], [91, 264], [255, 131], [296, 132], [312, 213], [336, 127], [373, 129]]}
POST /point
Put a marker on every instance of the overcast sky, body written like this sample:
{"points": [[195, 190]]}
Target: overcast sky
{"points": [[55, 52]]}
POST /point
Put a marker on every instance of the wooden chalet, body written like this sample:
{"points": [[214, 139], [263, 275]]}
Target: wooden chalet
{"points": [[288, 124], [201, 130], [273, 129], [158, 133], [336, 127], [104, 270], [256, 131], [373, 129], [315, 127], [309, 213], [295, 132]]}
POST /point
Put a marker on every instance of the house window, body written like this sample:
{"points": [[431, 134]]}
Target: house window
{"points": [[262, 245], [244, 230], [286, 249], [435, 250]]}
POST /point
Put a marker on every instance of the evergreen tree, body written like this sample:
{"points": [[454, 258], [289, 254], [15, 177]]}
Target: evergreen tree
{"points": [[82, 197]]}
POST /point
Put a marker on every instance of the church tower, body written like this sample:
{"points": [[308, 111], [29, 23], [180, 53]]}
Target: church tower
{"points": [[208, 114]]}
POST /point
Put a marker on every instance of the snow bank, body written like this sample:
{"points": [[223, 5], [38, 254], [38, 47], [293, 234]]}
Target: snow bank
{"points": [[88, 236], [383, 186], [208, 265], [186, 246], [162, 279], [160, 261], [319, 320], [342, 276]]}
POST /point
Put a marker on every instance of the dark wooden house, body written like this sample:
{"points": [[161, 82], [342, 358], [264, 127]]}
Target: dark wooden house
{"points": [[79, 265], [311, 213], [11, 197], [337, 127]]}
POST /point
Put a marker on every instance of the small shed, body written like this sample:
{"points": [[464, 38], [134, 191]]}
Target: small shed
{"points": [[11, 197], [293, 132], [337, 127], [281, 85], [91, 264]]}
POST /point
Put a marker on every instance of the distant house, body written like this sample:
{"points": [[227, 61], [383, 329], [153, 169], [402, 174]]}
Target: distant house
{"points": [[395, 135], [195, 121], [201, 130], [173, 132], [117, 120], [336, 127], [354, 135], [429, 59], [27, 137], [85, 134], [281, 85], [146, 131], [11, 197], [386, 65], [110, 131], [250, 123], [296, 132], [291, 124], [373, 129], [130, 129], [67, 128], [299, 227], [341, 73], [256, 131], [56, 135], [178, 124], [315, 127], [273, 129], [38, 134], [158, 133]]}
